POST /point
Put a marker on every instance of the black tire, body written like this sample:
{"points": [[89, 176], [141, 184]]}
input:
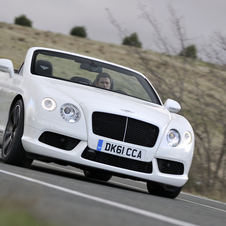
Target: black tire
{"points": [[160, 190], [97, 175], [12, 150]]}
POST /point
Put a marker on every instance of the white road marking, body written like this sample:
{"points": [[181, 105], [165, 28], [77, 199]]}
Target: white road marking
{"points": [[199, 204], [104, 201], [134, 187], [184, 200], [76, 172], [204, 198]]}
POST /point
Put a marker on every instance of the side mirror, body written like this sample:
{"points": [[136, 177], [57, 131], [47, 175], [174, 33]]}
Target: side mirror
{"points": [[7, 66], [172, 105]]}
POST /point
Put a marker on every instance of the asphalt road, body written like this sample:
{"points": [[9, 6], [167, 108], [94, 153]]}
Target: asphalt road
{"points": [[63, 196]]}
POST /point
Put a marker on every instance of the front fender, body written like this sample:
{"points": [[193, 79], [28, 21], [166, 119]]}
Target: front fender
{"points": [[183, 152], [42, 120]]}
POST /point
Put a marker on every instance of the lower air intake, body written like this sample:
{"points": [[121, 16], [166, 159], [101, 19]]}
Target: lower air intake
{"points": [[117, 161], [170, 167], [58, 141]]}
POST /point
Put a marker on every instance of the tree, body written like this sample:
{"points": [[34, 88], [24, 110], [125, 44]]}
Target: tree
{"points": [[200, 89], [132, 40], [190, 52], [23, 21], [78, 31]]}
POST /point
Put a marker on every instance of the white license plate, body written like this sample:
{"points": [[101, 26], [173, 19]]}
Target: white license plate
{"points": [[120, 150]]}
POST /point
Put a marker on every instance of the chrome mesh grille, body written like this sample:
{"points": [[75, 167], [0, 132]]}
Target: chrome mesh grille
{"points": [[124, 129]]}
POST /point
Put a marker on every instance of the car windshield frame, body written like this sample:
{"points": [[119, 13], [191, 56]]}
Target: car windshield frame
{"points": [[95, 66]]}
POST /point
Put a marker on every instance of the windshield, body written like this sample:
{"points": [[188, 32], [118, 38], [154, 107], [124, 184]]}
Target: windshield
{"points": [[91, 72]]}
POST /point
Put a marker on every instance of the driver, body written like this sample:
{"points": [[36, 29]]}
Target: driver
{"points": [[103, 80]]}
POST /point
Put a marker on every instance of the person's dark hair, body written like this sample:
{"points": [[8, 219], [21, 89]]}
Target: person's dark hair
{"points": [[103, 74]]}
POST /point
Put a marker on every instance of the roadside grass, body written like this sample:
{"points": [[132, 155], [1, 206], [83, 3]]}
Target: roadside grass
{"points": [[16, 215]]}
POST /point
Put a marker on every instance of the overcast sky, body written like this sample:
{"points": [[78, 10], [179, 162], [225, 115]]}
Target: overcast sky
{"points": [[201, 17]]}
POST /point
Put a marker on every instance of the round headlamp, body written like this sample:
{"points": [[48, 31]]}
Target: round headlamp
{"points": [[70, 113], [49, 104], [187, 137], [173, 138]]}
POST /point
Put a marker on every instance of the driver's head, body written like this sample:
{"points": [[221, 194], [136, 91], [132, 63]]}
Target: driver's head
{"points": [[103, 80]]}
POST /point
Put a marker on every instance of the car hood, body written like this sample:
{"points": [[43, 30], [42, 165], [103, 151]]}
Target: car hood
{"points": [[93, 99]]}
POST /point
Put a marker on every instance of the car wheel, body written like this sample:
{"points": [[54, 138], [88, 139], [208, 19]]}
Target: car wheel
{"points": [[97, 175], [164, 191], [12, 149]]}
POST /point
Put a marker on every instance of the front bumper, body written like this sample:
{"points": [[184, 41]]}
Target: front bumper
{"points": [[76, 157]]}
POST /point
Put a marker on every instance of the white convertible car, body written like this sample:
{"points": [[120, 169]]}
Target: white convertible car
{"points": [[103, 118]]}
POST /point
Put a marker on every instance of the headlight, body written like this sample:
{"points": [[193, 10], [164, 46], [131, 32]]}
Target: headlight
{"points": [[173, 138], [49, 104], [187, 137], [70, 113]]}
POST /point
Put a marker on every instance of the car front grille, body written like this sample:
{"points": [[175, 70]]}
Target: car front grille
{"points": [[58, 141], [117, 161], [170, 167], [124, 129]]}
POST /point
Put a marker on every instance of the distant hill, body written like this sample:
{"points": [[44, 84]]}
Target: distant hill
{"points": [[15, 41], [198, 86]]}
